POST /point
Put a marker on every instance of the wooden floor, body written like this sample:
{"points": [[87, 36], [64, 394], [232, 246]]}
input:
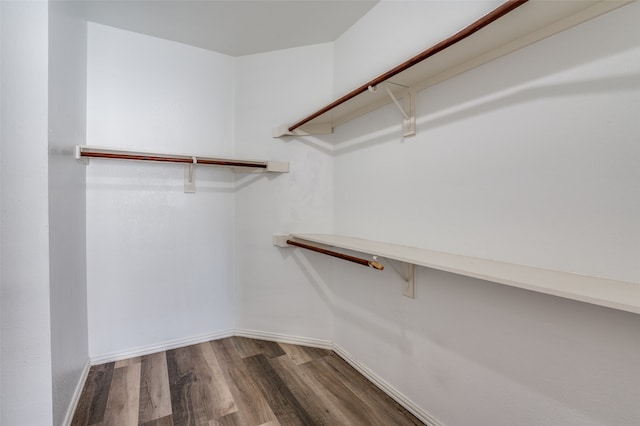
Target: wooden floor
{"points": [[235, 381]]}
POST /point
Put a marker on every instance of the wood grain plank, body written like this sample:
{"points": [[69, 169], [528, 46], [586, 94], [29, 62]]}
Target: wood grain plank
{"points": [[232, 419], [339, 395], [162, 421], [187, 406], [249, 347], [93, 399], [211, 382], [218, 384], [122, 404], [155, 396], [302, 354], [380, 404], [252, 407], [286, 407], [128, 362], [310, 396]]}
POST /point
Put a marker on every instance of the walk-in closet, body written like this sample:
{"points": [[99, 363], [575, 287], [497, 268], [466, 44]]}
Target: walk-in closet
{"points": [[312, 212]]}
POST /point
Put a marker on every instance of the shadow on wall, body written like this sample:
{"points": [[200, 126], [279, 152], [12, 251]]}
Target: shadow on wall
{"points": [[319, 283], [560, 348], [321, 143], [388, 121], [105, 176], [244, 180], [543, 59], [321, 270], [519, 96]]}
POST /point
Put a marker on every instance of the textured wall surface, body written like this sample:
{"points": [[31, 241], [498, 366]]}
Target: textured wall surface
{"points": [[530, 159], [25, 371], [160, 261]]}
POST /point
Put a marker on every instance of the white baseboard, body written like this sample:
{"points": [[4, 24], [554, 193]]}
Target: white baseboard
{"points": [[284, 338], [75, 398], [412, 407], [159, 347], [401, 399]]}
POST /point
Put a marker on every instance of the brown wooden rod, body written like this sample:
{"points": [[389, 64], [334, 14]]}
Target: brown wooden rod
{"points": [[135, 157], [168, 159], [231, 163], [358, 260], [492, 16]]}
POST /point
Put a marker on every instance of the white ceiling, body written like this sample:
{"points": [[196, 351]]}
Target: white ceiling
{"points": [[232, 27]]}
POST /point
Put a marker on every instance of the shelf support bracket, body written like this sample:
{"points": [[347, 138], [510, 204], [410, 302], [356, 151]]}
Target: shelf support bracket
{"points": [[395, 101], [409, 123], [407, 108], [408, 274], [190, 175]]}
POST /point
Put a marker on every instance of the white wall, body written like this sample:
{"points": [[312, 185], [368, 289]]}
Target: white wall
{"points": [[1, 214], [530, 159], [506, 156], [25, 350], [159, 261], [275, 292], [67, 224], [395, 30]]}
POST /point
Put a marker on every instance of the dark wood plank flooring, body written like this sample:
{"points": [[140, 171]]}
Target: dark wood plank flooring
{"points": [[235, 382]]}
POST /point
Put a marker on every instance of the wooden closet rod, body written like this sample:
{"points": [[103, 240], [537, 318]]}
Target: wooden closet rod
{"points": [[492, 16], [169, 159], [364, 262]]}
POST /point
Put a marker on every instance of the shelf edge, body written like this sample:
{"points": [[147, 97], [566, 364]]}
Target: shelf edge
{"points": [[511, 274]]}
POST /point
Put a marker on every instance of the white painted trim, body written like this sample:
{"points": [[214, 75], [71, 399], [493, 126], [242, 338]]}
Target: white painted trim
{"points": [[285, 338], [75, 398], [411, 406], [401, 399], [159, 347], [615, 294]]}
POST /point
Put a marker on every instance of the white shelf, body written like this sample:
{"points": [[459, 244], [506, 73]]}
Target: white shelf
{"points": [[614, 294], [85, 153], [528, 23]]}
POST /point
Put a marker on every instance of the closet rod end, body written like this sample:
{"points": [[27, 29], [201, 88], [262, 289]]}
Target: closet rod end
{"points": [[376, 265]]}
